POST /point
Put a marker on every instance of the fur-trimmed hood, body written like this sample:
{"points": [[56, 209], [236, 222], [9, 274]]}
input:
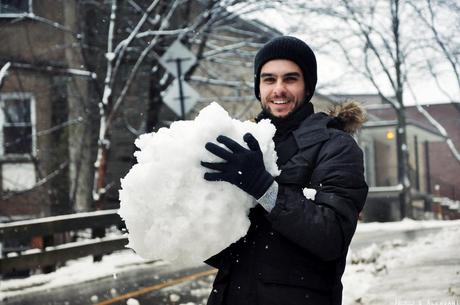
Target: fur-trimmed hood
{"points": [[350, 116]]}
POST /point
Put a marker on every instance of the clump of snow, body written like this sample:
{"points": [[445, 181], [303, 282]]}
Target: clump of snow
{"points": [[201, 292], [309, 193], [170, 211], [366, 256], [132, 301], [173, 297]]}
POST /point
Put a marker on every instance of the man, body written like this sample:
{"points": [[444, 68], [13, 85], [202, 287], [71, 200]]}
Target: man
{"points": [[295, 249]]}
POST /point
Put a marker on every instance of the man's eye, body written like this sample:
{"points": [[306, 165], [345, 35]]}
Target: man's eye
{"points": [[268, 80], [291, 79]]}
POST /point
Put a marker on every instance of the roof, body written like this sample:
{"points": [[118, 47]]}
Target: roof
{"points": [[447, 114]]}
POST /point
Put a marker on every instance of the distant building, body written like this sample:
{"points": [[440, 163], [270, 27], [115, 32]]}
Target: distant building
{"points": [[434, 171], [37, 119]]}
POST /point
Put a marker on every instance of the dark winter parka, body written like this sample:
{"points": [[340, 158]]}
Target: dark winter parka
{"points": [[296, 253]]}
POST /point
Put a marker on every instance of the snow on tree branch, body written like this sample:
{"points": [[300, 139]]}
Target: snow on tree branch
{"points": [[437, 125], [139, 9], [123, 45], [53, 24], [216, 50], [54, 69], [4, 72], [138, 63], [108, 114], [450, 53], [162, 33], [220, 82]]}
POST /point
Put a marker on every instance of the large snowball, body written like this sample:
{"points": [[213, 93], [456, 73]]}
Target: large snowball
{"points": [[170, 211]]}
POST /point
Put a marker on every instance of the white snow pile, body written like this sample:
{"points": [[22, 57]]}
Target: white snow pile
{"points": [[170, 211], [309, 193], [132, 301]]}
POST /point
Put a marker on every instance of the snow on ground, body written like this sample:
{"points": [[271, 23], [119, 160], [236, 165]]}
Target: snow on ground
{"points": [[405, 224], [421, 272], [167, 204], [72, 274]]}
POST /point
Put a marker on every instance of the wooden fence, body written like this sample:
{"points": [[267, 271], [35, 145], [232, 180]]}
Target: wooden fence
{"points": [[48, 254]]}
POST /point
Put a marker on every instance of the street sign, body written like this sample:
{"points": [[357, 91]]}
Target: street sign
{"points": [[172, 97], [180, 97], [177, 52]]}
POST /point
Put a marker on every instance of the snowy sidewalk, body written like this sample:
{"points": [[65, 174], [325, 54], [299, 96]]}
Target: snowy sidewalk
{"points": [[421, 272]]}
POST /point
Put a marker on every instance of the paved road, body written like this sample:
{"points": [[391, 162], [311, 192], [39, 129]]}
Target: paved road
{"points": [[152, 283]]}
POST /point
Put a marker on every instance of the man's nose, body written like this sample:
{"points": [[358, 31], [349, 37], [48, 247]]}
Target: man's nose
{"points": [[280, 89]]}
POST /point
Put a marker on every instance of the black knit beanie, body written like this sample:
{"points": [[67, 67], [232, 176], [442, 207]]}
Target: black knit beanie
{"points": [[291, 48]]}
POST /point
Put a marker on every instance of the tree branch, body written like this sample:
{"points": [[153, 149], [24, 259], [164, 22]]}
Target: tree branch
{"points": [[123, 45], [4, 73], [437, 125]]}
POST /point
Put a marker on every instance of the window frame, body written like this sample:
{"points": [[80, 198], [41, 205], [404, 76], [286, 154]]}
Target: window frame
{"points": [[32, 103], [21, 14]]}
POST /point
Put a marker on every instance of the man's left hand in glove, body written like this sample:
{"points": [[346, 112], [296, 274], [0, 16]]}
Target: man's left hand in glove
{"points": [[243, 167]]}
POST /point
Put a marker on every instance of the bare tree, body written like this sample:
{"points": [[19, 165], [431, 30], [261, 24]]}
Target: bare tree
{"points": [[441, 19], [370, 37], [384, 43], [194, 30]]}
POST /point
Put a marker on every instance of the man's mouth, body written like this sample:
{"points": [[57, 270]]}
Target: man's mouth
{"points": [[280, 102]]}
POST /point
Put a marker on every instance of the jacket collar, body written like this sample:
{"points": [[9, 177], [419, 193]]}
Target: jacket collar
{"points": [[312, 130], [285, 126]]}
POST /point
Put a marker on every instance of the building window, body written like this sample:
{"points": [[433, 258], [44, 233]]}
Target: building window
{"points": [[17, 141], [13, 8], [18, 176], [16, 124]]}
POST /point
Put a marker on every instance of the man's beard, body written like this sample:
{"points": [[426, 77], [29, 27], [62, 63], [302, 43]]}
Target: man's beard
{"points": [[270, 113]]}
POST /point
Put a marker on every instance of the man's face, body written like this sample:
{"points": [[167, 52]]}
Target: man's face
{"points": [[282, 87]]}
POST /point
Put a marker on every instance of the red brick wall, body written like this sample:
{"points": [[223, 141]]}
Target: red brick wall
{"points": [[444, 168]]}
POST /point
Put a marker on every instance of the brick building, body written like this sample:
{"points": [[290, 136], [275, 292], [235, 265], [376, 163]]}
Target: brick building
{"points": [[434, 170], [38, 117]]}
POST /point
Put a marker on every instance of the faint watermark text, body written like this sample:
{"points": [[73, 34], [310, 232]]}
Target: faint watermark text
{"points": [[426, 302]]}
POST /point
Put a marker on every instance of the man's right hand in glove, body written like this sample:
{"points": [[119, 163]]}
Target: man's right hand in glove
{"points": [[243, 167]]}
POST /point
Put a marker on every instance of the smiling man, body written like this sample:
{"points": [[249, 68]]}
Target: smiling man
{"points": [[282, 87], [295, 249]]}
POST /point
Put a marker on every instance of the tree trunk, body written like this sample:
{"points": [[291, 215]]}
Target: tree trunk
{"points": [[403, 165]]}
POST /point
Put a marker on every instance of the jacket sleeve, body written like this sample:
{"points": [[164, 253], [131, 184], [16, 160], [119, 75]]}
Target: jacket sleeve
{"points": [[325, 226]]}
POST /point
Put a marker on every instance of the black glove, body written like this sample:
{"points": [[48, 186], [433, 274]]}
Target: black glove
{"points": [[244, 167]]}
